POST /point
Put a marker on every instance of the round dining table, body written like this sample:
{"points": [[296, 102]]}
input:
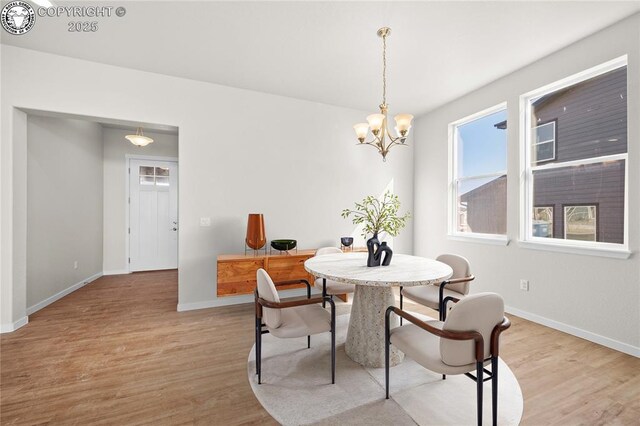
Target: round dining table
{"points": [[373, 295]]}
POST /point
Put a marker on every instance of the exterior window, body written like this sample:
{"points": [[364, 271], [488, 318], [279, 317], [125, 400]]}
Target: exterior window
{"points": [[543, 222], [575, 159], [544, 142], [478, 185], [580, 223]]}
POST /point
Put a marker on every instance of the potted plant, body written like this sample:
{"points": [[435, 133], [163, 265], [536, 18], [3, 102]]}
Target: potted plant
{"points": [[378, 215]]}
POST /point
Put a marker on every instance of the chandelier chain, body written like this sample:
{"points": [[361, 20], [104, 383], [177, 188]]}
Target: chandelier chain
{"points": [[384, 69]]}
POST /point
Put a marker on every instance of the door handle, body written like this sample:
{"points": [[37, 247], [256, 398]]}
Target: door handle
{"points": [[174, 229]]}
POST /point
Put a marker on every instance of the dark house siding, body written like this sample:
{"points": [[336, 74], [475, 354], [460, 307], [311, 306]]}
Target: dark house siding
{"points": [[601, 185], [582, 130], [487, 207]]}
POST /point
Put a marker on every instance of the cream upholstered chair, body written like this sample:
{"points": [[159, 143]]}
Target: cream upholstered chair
{"points": [[330, 287], [290, 319], [456, 287], [467, 340]]}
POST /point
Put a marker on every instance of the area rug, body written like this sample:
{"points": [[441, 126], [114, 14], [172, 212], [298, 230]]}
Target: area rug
{"points": [[296, 388]]}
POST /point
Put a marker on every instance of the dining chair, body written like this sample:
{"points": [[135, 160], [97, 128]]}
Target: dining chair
{"points": [[329, 287], [467, 340], [433, 296], [292, 318]]}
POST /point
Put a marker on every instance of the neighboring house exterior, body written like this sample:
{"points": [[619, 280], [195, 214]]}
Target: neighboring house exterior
{"points": [[583, 202]]}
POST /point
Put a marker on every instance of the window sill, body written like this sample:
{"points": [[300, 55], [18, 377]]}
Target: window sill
{"points": [[613, 252], [498, 240]]}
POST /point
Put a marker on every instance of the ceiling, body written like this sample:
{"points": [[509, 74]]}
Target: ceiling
{"points": [[328, 51]]}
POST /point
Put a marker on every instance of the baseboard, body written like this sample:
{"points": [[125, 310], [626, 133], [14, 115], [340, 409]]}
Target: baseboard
{"points": [[61, 294], [116, 272], [8, 328], [233, 300], [578, 332]]}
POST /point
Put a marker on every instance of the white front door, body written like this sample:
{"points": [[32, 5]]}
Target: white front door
{"points": [[153, 215]]}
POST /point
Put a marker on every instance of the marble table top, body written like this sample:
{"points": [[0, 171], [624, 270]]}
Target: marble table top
{"points": [[404, 270]]}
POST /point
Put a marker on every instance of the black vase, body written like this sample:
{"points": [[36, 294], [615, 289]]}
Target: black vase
{"points": [[384, 248], [372, 247]]}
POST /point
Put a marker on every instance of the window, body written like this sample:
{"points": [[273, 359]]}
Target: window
{"points": [[543, 221], [544, 142], [575, 160], [154, 176], [478, 184], [580, 223]]}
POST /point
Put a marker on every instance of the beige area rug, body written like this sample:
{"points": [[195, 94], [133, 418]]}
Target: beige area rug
{"points": [[296, 388]]}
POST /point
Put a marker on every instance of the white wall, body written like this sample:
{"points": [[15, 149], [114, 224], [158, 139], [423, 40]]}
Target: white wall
{"points": [[116, 147], [240, 152], [64, 205], [595, 297]]}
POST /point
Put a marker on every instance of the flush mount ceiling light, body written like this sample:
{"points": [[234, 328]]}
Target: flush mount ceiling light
{"points": [[139, 139], [382, 138]]}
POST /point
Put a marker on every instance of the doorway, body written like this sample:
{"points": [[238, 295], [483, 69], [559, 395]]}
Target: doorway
{"points": [[153, 214]]}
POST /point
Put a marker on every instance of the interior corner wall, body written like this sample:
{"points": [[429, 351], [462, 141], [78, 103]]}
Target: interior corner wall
{"points": [[593, 297], [64, 205], [116, 148], [240, 152]]}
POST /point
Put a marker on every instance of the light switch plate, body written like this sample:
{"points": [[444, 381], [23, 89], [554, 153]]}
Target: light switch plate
{"points": [[205, 221]]}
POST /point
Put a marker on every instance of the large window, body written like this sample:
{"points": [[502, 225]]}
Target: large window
{"points": [[478, 184], [575, 160]]}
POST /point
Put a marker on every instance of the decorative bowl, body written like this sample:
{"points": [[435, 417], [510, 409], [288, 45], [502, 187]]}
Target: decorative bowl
{"points": [[283, 245], [346, 241]]}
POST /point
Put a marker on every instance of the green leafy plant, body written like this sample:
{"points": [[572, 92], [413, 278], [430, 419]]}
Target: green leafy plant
{"points": [[378, 215]]}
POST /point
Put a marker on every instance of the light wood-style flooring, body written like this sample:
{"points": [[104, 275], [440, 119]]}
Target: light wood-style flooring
{"points": [[117, 352]]}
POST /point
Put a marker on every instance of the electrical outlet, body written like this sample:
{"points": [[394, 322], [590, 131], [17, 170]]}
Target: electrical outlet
{"points": [[205, 221], [524, 285], [75, 265]]}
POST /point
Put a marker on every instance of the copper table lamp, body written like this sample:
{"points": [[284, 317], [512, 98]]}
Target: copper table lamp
{"points": [[256, 237]]}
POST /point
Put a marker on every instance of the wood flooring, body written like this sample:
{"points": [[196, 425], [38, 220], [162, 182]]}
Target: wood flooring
{"points": [[117, 352]]}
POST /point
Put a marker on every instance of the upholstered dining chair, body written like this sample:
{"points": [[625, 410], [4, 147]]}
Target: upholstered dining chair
{"points": [[330, 287], [467, 340], [433, 296], [291, 319]]}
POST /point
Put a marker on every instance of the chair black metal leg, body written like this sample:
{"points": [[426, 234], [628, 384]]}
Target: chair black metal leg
{"points": [[324, 292], [308, 342], [259, 356], [387, 342], [479, 385], [333, 341], [257, 329], [494, 390], [401, 303]]}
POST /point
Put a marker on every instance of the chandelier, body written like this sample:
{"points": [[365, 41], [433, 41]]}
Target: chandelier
{"points": [[139, 139], [382, 138]]}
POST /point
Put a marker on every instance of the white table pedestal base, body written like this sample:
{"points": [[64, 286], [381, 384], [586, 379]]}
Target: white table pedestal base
{"points": [[365, 338]]}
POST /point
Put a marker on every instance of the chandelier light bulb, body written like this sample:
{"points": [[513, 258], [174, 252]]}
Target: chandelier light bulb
{"points": [[361, 131], [375, 122], [403, 123]]}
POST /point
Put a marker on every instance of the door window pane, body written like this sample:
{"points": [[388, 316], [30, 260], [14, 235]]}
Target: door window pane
{"points": [[146, 171], [162, 181], [162, 171], [147, 180]]}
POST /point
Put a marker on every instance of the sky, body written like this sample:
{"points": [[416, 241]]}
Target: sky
{"points": [[482, 149]]}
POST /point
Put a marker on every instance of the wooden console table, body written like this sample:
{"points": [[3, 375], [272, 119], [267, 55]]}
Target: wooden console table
{"points": [[237, 272]]}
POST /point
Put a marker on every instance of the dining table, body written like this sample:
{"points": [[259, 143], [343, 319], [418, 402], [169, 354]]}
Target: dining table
{"points": [[373, 294]]}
